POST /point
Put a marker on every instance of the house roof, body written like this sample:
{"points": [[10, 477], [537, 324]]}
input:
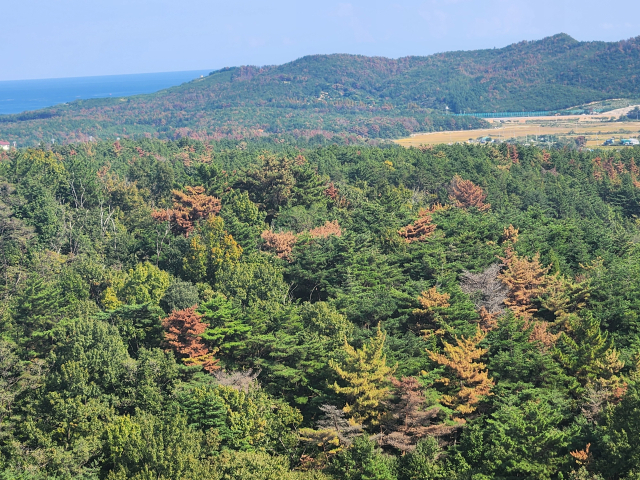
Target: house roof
{"points": [[4, 143]]}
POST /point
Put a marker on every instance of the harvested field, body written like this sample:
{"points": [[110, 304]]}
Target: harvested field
{"points": [[530, 129]]}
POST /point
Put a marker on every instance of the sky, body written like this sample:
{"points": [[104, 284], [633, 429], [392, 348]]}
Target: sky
{"points": [[71, 38]]}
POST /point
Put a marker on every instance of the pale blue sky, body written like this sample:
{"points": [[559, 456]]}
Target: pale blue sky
{"points": [[63, 38]]}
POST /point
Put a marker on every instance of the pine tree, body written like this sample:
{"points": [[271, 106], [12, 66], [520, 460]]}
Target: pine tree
{"points": [[326, 230], [280, 243], [366, 374], [188, 208], [465, 194], [487, 292], [410, 419], [526, 279], [211, 249], [468, 380], [37, 310], [588, 354], [242, 218], [183, 330], [334, 433], [226, 331], [271, 186], [431, 298], [419, 230]]}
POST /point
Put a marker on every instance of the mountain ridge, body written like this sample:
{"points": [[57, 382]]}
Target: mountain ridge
{"points": [[357, 95]]}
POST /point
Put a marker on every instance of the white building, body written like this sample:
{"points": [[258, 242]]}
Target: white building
{"points": [[4, 145]]}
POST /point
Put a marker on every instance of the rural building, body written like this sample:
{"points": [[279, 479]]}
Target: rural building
{"points": [[630, 141], [4, 145]]}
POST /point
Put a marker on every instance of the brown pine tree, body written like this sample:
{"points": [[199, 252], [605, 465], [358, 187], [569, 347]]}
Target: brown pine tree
{"points": [[526, 279], [280, 243], [513, 153], [411, 418], [326, 230], [466, 194], [331, 191], [419, 230], [540, 333], [182, 332], [188, 208], [467, 380]]}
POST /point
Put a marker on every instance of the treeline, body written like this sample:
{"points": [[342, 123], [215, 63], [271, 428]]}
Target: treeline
{"points": [[231, 310], [352, 95]]}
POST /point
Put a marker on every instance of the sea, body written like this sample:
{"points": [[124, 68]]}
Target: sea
{"points": [[17, 96]]}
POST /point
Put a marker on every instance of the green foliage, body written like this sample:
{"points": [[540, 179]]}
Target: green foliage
{"points": [[522, 439], [89, 387], [421, 463], [227, 331], [618, 437], [259, 466], [145, 283], [146, 446], [242, 219], [37, 311], [363, 461], [139, 325], [246, 420], [179, 295]]}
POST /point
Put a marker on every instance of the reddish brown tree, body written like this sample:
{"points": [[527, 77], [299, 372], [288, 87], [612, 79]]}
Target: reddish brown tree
{"points": [[513, 153], [410, 419], [331, 191], [419, 230], [466, 194], [326, 230], [182, 332], [188, 207], [280, 243], [540, 333]]}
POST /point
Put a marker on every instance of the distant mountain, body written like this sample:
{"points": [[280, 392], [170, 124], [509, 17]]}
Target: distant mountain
{"points": [[342, 94]]}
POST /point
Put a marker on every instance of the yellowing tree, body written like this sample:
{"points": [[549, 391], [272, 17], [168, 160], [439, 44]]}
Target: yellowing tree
{"points": [[143, 284], [468, 379], [430, 299], [366, 375], [526, 279], [211, 248]]}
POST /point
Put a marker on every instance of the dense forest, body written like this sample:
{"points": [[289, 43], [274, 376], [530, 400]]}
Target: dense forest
{"points": [[351, 96], [222, 310]]}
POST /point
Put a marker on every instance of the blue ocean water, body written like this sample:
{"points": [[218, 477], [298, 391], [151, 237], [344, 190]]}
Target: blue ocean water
{"points": [[18, 96]]}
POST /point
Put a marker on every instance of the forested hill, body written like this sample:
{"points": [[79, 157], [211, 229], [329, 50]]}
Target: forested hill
{"points": [[186, 310], [371, 97]]}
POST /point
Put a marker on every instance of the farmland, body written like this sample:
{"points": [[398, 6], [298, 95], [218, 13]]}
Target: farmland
{"points": [[596, 129]]}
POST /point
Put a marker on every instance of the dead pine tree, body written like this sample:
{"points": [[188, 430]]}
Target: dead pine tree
{"points": [[488, 293]]}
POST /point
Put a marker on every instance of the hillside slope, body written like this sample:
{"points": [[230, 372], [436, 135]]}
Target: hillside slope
{"points": [[354, 95]]}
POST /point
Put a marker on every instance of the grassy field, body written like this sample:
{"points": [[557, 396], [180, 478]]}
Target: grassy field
{"points": [[530, 130]]}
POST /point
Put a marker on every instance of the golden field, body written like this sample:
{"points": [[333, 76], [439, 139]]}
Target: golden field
{"points": [[593, 127]]}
